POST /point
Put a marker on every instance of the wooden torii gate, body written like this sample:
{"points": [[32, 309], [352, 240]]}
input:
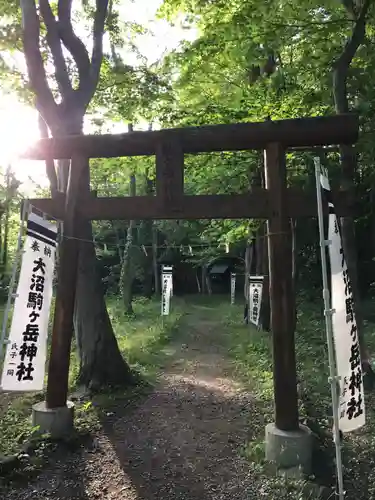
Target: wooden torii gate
{"points": [[277, 203]]}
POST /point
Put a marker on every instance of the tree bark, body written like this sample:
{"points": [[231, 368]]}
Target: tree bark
{"points": [[11, 186], [348, 156], [208, 284], [4, 262], [101, 363], [262, 270], [118, 241], [128, 264], [2, 267], [4, 248], [49, 162], [249, 255], [293, 225], [197, 280], [145, 237], [155, 259], [203, 279]]}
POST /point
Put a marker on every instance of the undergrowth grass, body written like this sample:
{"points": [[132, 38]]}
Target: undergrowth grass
{"points": [[145, 341], [141, 339], [251, 353]]}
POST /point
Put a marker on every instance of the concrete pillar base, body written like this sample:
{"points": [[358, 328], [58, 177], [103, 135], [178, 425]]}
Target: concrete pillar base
{"points": [[289, 449], [58, 422]]}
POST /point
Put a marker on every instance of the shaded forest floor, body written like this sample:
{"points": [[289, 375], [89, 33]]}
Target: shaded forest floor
{"points": [[195, 429]]}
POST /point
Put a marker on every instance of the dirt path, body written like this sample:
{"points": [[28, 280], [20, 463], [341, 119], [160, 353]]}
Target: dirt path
{"points": [[182, 442]]}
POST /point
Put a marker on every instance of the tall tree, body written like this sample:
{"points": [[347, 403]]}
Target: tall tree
{"points": [[129, 259], [63, 109], [145, 237], [357, 12], [9, 193]]}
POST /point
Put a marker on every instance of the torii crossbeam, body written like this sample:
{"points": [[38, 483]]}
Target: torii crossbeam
{"points": [[276, 203]]}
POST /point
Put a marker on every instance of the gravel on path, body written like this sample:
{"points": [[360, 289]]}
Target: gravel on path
{"points": [[183, 441]]}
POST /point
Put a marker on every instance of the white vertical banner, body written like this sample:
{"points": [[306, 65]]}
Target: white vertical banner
{"points": [[25, 358], [344, 326], [255, 298], [232, 287], [166, 289]]}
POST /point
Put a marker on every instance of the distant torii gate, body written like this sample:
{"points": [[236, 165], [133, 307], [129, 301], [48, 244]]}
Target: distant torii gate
{"points": [[276, 203]]}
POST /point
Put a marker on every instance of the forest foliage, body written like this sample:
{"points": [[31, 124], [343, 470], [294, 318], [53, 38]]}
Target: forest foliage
{"points": [[252, 62], [249, 62]]}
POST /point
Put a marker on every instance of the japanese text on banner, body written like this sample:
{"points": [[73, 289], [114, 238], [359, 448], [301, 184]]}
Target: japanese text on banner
{"points": [[24, 364], [348, 358], [255, 298], [167, 287]]}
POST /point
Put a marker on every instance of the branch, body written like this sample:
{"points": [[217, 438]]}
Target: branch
{"points": [[71, 41], [45, 102], [50, 163], [350, 8], [356, 38], [88, 71], [112, 45], [97, 48], [341, 65], [311, 23], [54, 43]]}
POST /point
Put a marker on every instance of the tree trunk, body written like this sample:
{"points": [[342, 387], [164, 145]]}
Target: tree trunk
{"points": [[155, 259], [101, 363], [203, 279], [5, 244], [128, 264], [293, 225], [262, 270], [146, 234], [148, 273], [197, 280], [249, 256], [5, 239], [2, 269], [348, 161], [372, 222], [118, 241], [208, 284]]}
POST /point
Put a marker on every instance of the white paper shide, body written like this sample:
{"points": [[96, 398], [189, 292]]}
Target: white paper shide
{"points": [[348, 358], [232, 287], [25, 358], [255, 298], [167, 287]]}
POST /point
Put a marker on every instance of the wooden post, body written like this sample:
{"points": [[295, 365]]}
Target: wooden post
{"points": [[58, 370], [281, 291]]}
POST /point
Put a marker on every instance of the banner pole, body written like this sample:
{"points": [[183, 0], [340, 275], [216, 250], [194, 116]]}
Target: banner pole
{"points": [[328, 312]]}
